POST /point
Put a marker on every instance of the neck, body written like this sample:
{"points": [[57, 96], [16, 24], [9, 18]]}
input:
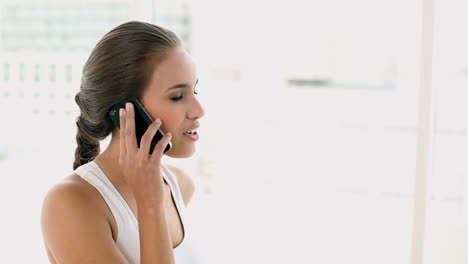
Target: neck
{"points": [[108, 161]]}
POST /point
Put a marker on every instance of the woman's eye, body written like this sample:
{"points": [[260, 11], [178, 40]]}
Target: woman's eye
{"points": [[176, 98], [180, 97]]}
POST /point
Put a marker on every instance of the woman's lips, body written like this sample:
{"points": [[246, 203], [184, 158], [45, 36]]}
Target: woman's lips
{"points": [[194, 136]]}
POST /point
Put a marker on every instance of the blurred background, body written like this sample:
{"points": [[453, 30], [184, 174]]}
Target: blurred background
{"points": [[308, 149]]}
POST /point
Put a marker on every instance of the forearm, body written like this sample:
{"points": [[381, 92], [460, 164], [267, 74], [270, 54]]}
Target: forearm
{"points": [[155, 242]]}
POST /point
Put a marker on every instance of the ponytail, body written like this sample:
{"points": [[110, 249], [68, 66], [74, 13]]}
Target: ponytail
{"points": [[88, 136], [87, 147]]}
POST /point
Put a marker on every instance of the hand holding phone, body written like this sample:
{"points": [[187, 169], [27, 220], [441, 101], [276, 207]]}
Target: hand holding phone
{"points": [[141, 171], [142, 122]]}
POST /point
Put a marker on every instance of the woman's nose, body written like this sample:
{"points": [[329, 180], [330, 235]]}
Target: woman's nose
{"points": [[196, 110]]}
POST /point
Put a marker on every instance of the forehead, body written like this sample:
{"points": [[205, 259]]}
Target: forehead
{"points": [[177, 67]]}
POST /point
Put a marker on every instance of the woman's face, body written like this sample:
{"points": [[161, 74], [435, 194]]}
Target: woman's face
{"points": [[171, 96]]}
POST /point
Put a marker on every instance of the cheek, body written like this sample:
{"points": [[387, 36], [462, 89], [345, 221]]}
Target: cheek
{"points": [[170, 115], [171, 122], [165, 116]]}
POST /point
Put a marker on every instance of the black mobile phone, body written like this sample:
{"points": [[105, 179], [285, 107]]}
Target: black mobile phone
{"points": [[142, 122]]}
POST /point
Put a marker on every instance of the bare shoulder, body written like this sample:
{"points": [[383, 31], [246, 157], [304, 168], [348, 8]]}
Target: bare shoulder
{"points": [[70, 196], [71, 209], [72, 182], [75, 191], [187, 186], [70, 191]]}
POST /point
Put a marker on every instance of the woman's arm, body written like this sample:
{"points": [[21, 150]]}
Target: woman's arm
{"points": [[142, 172], [155, 242]]}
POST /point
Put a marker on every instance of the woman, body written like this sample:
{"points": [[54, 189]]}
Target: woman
{"points": [[124, 205]]}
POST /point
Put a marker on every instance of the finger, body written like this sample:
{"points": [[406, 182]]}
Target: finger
{"points": [[130, 137], [146, 139], [123, 147], [160, 146]]}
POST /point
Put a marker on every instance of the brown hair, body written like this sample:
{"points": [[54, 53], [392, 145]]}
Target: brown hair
{"points": [[118, 68]]}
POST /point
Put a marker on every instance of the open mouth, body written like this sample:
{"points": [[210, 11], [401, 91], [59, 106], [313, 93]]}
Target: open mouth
{"points": [[192, 132]]}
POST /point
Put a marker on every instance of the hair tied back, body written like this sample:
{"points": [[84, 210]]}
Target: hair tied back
{"points": [[77, 98]]}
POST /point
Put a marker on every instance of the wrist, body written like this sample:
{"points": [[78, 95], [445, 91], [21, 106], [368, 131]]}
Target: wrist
{"points": [[145, 203]]}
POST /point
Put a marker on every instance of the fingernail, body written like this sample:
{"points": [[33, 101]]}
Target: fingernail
{"points": [[169, 134], [121, 111], [157, 120], [127, 106]]}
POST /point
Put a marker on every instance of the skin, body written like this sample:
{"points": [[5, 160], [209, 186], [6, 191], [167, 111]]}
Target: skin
{"points": [[176, 117]]}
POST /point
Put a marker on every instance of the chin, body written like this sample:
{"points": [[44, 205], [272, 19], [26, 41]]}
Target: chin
{"points": [[176, 153]]}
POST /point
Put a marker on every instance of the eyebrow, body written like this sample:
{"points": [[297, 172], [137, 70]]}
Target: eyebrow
{"points": [[180, 85]]}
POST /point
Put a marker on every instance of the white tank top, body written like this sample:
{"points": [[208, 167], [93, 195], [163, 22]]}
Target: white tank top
{"points": [[128, 239]]}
